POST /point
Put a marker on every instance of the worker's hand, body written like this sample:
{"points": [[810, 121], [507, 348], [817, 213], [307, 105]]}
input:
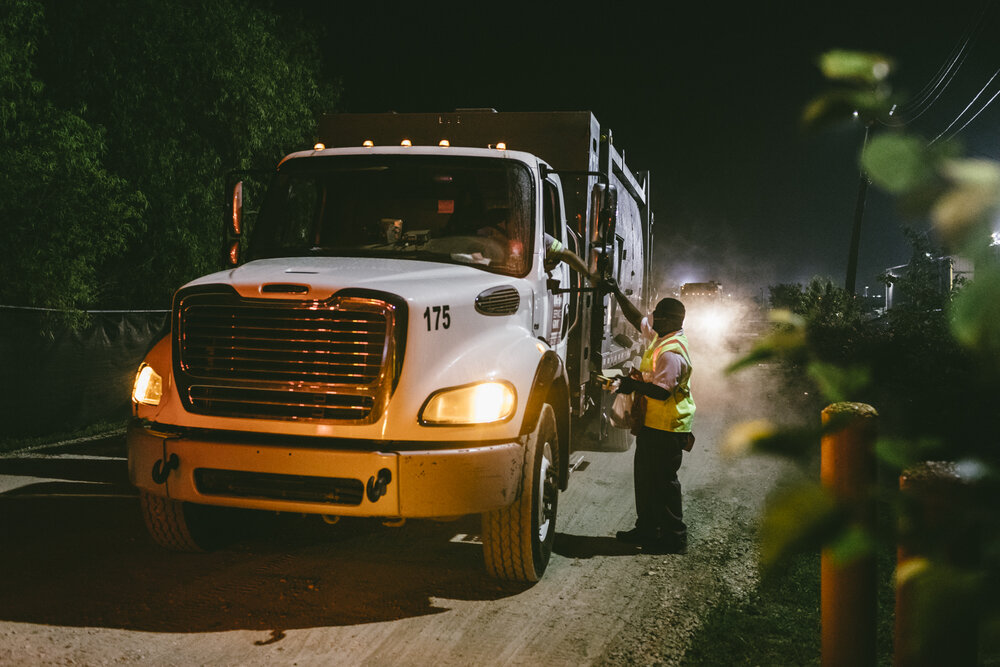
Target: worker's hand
{"points": [[607, 285], [627, 385]]}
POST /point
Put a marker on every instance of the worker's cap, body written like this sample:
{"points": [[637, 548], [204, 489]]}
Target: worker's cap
{"points": [[669, 309]]}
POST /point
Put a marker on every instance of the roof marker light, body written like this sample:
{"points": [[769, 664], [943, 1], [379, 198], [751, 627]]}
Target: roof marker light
{"points": [[501, 146], [368, 143], [444, 142], [405, 142], [319, 146]]}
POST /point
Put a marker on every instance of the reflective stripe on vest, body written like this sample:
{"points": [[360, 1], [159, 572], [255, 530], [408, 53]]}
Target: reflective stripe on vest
{"points": [[675, 413]]}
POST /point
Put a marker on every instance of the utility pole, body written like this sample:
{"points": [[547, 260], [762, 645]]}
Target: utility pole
{"points": [[859, 214]]}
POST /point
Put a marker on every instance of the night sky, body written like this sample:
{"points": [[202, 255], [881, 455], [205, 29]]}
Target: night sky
{"points": [[705, 96]]}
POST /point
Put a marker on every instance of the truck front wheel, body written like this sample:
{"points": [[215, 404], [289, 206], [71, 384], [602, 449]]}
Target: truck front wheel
{"points": [[518, 539], [181, 526]]}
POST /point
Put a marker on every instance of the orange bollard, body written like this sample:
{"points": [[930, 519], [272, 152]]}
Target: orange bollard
{"points": [[942, 525], [848, 590]]}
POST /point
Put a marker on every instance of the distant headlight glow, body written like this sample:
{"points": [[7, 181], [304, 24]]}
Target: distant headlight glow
{"points": [[715, 319], [711, 322], [481, 403]]}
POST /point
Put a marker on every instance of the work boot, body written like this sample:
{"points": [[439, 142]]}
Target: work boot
{"points": [[664, 545], [635, 536]]}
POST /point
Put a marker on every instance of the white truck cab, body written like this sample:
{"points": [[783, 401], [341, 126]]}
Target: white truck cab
{"points": [[391, 342]]}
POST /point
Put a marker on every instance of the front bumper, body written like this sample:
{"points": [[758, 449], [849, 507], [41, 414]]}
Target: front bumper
{"points": [[411, 483]]}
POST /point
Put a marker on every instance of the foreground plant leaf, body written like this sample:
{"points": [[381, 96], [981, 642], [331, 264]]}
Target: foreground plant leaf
{"points": [[742, 438], [838, 383], [853, 543], [969, 203], [976, 314], [901, 454], [787, 335], [802, 518], [897, 162], [835, 106], [856, 66]]}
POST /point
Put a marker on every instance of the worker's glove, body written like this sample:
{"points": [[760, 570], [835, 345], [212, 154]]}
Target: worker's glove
{"points": [[627, 385], [607, 285]]}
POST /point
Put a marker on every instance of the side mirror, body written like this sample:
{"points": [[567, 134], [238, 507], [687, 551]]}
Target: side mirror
{"points": [[609, 213], [235, 227], [237, 222], [604, 219]]}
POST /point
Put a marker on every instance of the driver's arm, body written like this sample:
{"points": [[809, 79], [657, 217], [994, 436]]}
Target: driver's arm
{"points": [[555, 253]]}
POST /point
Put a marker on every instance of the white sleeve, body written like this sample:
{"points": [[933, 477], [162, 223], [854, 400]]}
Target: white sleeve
{"points": [[669, 366], [648, 335]]}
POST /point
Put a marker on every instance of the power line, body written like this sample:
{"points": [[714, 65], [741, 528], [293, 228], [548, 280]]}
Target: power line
{"points": [[923, 106], [967, 107], [937, 85], [977, 113], [933, 90]]}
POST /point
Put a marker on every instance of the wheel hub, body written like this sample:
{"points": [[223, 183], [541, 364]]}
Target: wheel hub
{"points": [[547, 493]]}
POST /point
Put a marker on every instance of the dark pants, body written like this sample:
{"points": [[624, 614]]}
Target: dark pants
{"points": [[657, 490]]}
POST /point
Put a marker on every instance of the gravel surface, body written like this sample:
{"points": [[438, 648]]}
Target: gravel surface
{"points": [[80, 584]]}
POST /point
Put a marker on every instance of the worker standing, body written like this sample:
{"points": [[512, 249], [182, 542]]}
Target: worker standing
{"points": [[665, 431]]}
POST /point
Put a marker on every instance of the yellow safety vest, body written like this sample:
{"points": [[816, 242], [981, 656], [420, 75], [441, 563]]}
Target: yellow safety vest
{"points": [[676, 412]]}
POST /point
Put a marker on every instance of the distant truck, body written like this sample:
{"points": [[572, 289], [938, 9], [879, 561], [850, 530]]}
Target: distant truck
{"points": [[702, 291], [393, 341]]}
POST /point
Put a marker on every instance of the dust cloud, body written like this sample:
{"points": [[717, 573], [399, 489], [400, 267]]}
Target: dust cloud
{"points": [[723, 329], [721, 332]]}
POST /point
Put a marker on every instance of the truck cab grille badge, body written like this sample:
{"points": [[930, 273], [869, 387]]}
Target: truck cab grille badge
{"points": [[284, 288]]}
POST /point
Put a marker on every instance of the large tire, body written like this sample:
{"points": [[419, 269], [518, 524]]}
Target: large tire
{"points": [[177, 525], [518, 539]]}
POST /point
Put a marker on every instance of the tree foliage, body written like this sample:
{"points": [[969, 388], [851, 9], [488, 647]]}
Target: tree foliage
{"points": [[931, 365], [63, 211], [786, 296], [121, 119]]}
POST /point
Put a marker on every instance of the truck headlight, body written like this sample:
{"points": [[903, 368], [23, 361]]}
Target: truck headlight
{"points": [[148, 386], [481, 403]]}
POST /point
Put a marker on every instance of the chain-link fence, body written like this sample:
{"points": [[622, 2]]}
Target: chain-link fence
{"points": [[69, 378]]}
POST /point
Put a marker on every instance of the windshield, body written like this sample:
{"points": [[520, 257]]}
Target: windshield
{"points": [[450, 209]]}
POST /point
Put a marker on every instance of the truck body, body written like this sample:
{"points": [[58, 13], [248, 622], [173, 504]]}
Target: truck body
{"points": [[394, 339]]}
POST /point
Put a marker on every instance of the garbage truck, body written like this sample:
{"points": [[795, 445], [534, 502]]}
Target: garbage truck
{"points": [[396, 338]]}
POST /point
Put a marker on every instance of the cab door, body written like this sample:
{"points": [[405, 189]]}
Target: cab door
{"points": [[558, 276]]}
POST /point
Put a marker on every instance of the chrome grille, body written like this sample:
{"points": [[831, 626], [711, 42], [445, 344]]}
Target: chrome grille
{"points": [[264, 403], [284, 359], [282, 344]]}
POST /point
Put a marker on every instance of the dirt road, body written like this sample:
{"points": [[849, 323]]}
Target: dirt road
{"points": [[81, 584]]}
